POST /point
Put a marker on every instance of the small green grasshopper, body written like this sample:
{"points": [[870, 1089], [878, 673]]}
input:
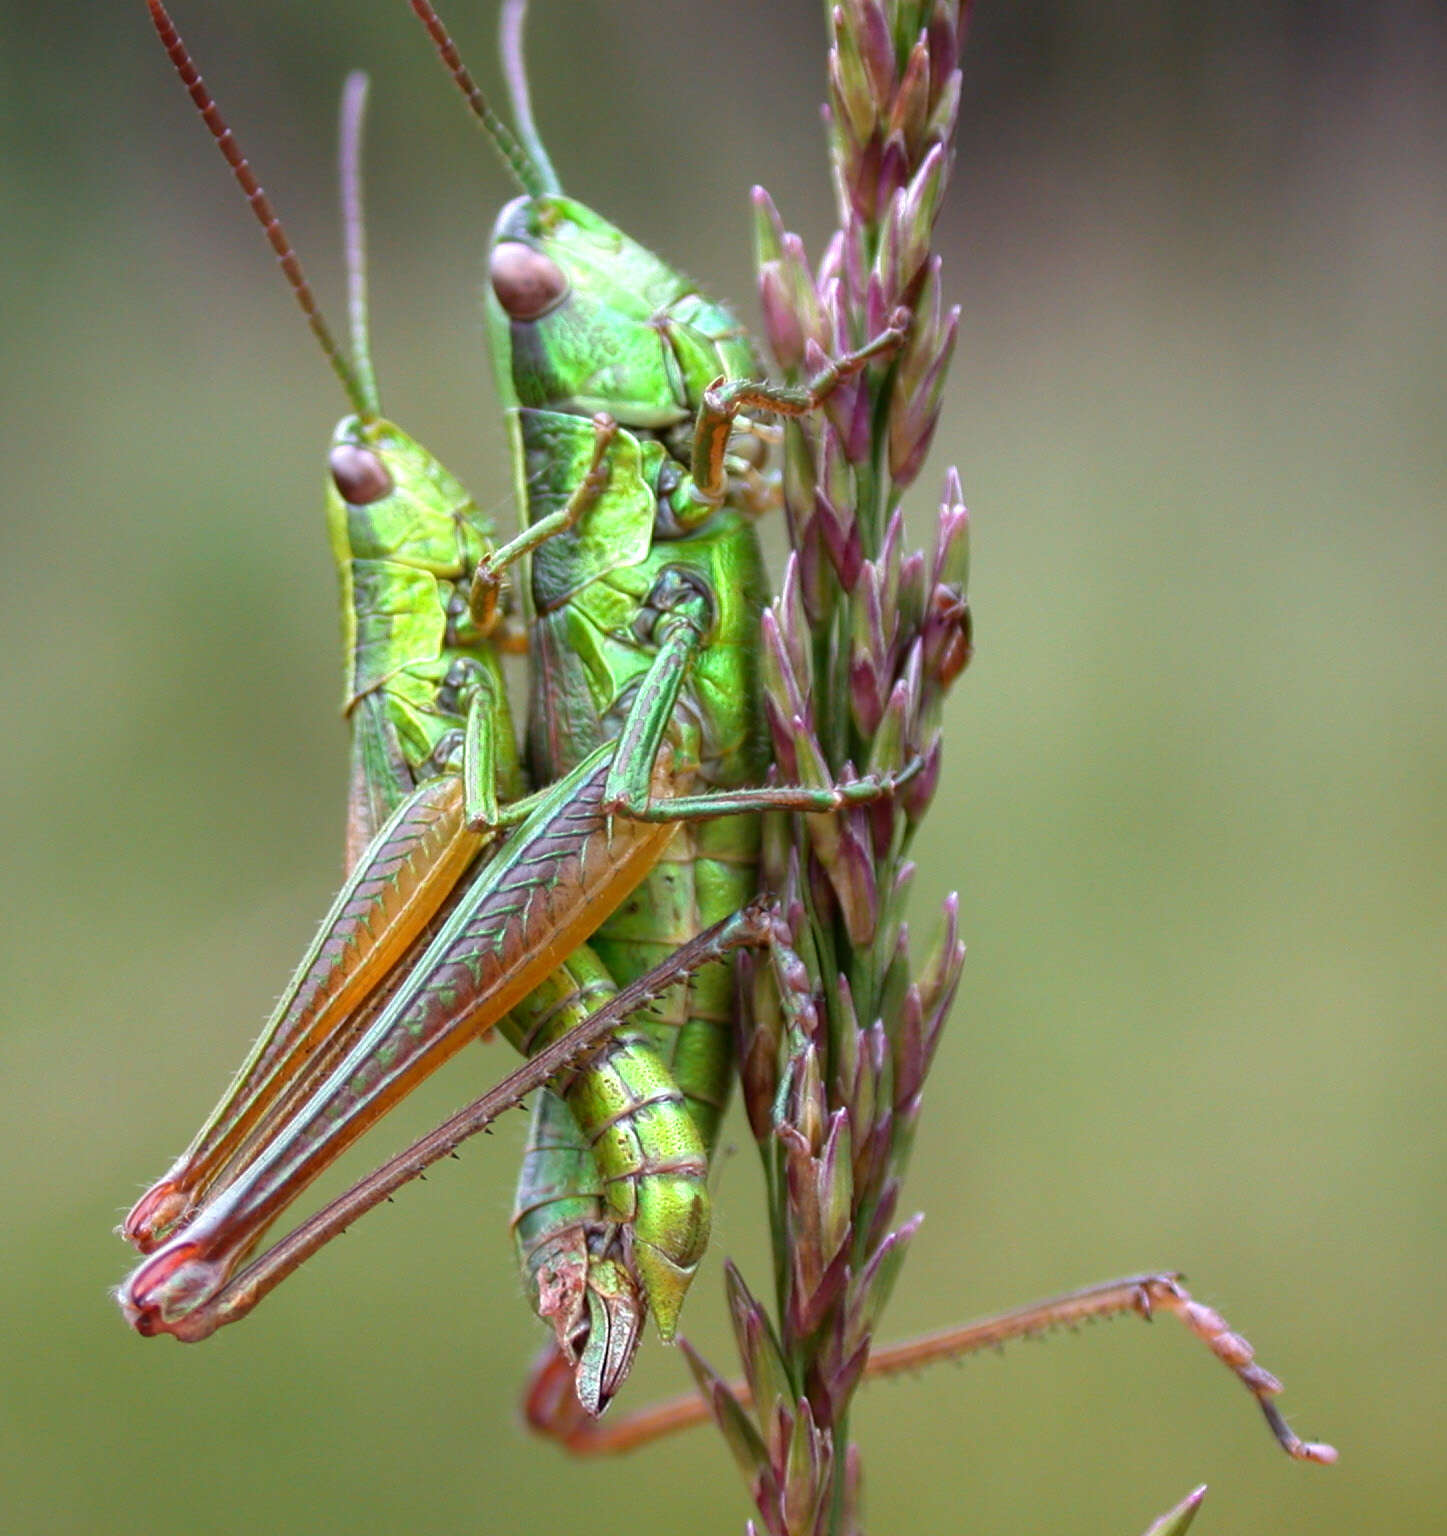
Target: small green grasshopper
{"points": [[422, 679]]}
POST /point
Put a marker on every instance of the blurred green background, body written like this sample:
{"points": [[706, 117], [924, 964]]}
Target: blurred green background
{"points": [[1193, 800]]}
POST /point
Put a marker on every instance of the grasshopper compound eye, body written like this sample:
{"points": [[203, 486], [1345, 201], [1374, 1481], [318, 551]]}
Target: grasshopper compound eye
{"points": [[527, 283], [359, 475]]}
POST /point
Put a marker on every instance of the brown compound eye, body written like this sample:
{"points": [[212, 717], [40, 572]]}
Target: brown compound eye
{"points": [[359, 475], [526, 282]]}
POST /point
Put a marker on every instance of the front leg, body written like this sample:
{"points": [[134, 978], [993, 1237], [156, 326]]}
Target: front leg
{"points": [[487, 575], [727, 399]]}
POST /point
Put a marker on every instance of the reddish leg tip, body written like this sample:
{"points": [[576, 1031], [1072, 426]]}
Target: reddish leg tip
{"points": [[154, 1215], [165, 1293]]}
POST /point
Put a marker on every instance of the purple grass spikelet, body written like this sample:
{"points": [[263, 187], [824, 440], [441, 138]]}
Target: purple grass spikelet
{"points": [[837, 1029]]}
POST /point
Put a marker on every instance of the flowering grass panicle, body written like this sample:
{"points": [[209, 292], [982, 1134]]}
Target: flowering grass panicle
{"points": [[837, 1027]]}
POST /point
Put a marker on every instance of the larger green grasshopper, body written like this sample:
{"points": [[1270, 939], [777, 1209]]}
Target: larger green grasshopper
{"points": [[596, 342], [688, 609]]}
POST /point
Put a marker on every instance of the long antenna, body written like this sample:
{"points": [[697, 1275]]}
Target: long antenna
{"points": [[276, 236], [514, 68], [354, 109], [536, 180]]}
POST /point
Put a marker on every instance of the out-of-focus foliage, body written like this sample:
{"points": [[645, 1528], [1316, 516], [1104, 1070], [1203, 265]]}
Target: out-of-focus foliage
{"points": [[1193, 795]]}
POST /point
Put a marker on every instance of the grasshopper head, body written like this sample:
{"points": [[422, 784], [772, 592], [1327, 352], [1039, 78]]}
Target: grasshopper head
{"points": [[583, 319], [387, 492]]}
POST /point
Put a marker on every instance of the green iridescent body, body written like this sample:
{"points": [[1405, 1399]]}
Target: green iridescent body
{"points": [[417, 664], [589, 667], [590, 664], [417, 660]]}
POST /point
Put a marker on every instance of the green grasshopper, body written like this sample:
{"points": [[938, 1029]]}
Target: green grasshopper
{"points": [[585, 323], [671, 599]]}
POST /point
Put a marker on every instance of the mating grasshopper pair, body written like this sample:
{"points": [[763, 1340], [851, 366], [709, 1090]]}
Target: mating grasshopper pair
{"points": [[552, 913], [626, 391]]}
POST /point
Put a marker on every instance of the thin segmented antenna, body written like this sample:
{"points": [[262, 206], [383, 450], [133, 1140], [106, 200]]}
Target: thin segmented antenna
{"points": [[536, 180], [266, 216], [514, 68], [354, 111]]}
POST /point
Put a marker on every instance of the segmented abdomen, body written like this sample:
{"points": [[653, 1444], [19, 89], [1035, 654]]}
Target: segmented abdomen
{"points": [[616, 1147]]}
